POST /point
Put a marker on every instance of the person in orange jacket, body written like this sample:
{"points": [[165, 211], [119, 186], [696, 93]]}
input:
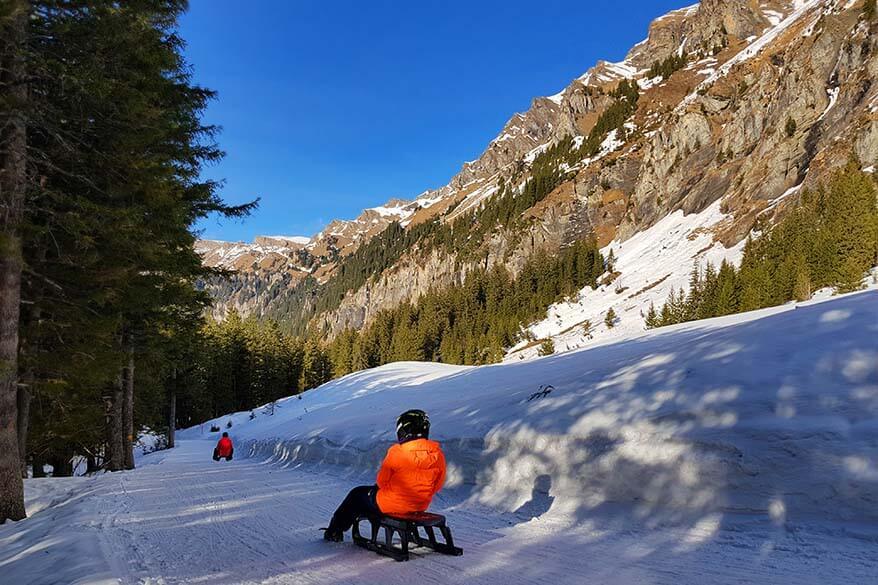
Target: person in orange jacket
{"points": [[412, 473], [223, 449]]}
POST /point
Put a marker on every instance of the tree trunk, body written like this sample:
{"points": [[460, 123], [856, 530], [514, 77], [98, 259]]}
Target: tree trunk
{"points": [[13, 167], [38, 466], [91, 465], [62, 464], [24, 397], [115, 453], [30, 323], [128, 413], [172, 409]]}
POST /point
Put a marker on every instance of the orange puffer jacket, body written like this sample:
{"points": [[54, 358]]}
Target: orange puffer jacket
{"points": [[410, 476]]}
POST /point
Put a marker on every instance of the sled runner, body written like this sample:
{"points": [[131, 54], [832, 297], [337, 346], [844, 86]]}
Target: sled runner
{"points": [[408, 527]]}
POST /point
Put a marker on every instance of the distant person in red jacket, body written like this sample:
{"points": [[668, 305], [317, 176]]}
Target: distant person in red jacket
{"points": [[413, 472], [224, 449]]}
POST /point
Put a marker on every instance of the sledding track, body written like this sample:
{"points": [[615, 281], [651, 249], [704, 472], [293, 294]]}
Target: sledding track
{"points": [[181, 519]]}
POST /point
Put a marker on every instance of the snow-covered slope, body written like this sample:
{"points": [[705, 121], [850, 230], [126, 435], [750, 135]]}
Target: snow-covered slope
{"points": [[736, 450], [652, 264], [760, 412]]}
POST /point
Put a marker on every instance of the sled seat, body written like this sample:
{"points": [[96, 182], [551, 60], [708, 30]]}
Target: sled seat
{"points": [[408, 528]]}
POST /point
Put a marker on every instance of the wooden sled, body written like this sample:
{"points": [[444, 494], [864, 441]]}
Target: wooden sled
{"points": [[408, 528]]}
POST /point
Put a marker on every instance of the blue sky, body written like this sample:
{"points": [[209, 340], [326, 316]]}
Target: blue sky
{"points": [[331, 106]]}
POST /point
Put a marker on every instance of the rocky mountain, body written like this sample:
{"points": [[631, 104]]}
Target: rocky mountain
{"points": [[286, 261], [729, 109], [300, 254]]}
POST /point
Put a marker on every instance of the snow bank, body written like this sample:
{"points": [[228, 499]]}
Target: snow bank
{"points": [[773, 412], [58, 542]]}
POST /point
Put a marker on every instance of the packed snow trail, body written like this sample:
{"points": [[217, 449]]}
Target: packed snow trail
{"points": [[183, 519]]}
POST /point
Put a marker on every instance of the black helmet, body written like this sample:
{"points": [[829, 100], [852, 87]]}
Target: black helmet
{"points": [[412, 424]]}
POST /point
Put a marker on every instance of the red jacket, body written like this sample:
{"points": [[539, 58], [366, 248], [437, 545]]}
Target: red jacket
{"points": [[410, 476], [224, 447]]}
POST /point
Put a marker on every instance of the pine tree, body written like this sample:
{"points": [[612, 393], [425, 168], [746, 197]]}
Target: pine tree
{"points": [[363, 356], [113, 231], [666, 317], [13, 176], [694, 300], [667, 66], [851, 220], [683, 310], [610, 318], [547, 347], [316, 368], [587, 327], [802, 286], [850, 275], [727, 297], [611, 262], [652, 318], [756, 286]]}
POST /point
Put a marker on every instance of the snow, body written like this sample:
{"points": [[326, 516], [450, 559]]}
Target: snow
{"points": [[648, 82], [558, 98], [734, 450], [606, 71], [651, 263], [61, 541], [426, 201], [832, 92], [148, 441], [621, 69], [398, 211], [685, 11], [535, 152], [610, 144], [506, 136], [774, 17], [776, 201], [707, 66], [301, 240], [475, 198]]}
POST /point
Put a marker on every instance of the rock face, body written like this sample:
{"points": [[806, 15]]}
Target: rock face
{"points": [[272, 253], [774, 95]]}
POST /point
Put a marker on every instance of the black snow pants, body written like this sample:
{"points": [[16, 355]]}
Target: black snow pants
{"points": [[359, 502]]}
